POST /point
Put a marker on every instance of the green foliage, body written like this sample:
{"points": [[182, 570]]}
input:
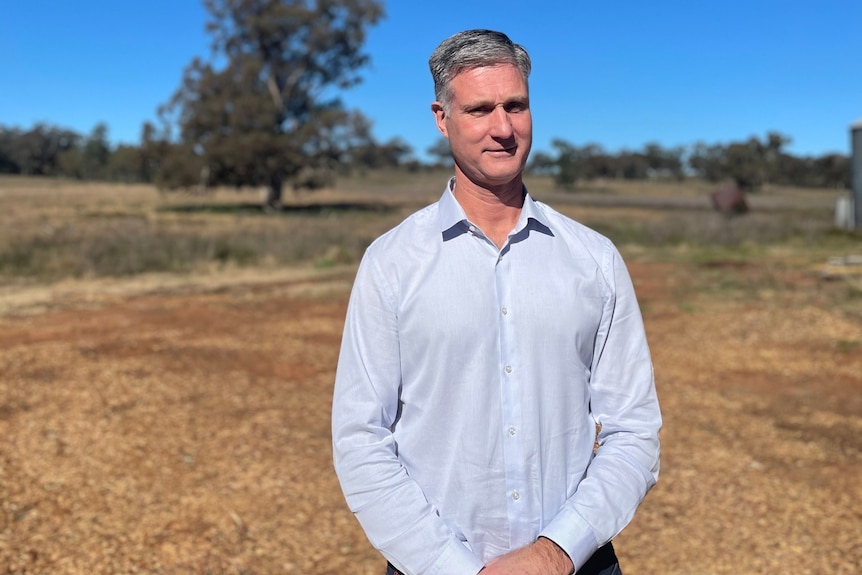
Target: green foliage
{"points": [[364, 152], [541, 164], [257, 114], [124, 165], [95, 153], [753, 163], [441, 154], [591, 161], [664, 162], [89, 160], [34, 152], [748, 164]]}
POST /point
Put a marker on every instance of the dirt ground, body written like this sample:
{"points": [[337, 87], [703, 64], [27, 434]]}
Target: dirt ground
{"points": [[185, 429]]}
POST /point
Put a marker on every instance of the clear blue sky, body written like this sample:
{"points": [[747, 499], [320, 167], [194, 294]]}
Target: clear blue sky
{"points": [[618, 73]]}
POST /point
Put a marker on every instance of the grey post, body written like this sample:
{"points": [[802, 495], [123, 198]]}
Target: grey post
{"points": [[856, 171]]}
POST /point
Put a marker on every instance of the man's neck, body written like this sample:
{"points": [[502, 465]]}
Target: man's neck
{"points": [[494, 209]]}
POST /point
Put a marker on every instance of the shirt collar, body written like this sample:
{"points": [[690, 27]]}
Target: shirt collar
{"points": [[450, 212], [453, 221]]}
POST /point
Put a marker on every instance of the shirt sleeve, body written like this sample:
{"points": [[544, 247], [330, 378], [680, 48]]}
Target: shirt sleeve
{"points": [[392, 508], [623, 400]]}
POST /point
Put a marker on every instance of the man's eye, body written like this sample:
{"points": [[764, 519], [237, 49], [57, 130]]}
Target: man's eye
{"points": [[516, 107]]}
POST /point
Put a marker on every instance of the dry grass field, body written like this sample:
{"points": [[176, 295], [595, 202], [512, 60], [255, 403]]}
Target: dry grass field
{"points": [[166, 367]]}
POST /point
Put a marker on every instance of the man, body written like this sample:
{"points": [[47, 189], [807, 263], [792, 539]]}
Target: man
{"points": [[487, 339]]}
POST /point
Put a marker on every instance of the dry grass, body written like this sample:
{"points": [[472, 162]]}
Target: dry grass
{"points": [[56, 229], [53, 229]]}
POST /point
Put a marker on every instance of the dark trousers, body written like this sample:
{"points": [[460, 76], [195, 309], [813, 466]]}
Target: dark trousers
{"points": [[603, 562]]}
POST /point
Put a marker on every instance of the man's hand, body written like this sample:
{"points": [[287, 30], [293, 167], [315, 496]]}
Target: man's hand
{"points": [[543, 557]]}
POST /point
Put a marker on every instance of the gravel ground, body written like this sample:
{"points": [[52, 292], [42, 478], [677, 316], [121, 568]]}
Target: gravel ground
{"points": [[187, 431]]}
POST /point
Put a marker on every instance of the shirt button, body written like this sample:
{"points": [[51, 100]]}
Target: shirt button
{"points": [[508, 369], [512, 431], [516, 495], [472, 229], [504, 311]]}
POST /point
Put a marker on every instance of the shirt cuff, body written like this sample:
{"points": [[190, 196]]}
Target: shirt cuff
{"points": [[573, 535], [456, 559]]}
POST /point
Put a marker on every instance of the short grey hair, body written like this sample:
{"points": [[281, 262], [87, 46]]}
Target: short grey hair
{"points": [[473, 49]]}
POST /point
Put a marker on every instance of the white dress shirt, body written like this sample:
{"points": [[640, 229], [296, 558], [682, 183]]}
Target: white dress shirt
{"points": [[470, 383]]}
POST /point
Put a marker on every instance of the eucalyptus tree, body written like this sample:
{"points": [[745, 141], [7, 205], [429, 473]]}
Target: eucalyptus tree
{"points": [[263, 109]]}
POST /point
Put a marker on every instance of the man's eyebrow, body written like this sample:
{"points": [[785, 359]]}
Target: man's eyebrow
{"points": [[517, 99], [478, 103]]}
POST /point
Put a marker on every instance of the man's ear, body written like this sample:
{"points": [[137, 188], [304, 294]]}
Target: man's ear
{"points": [[440, 118]]}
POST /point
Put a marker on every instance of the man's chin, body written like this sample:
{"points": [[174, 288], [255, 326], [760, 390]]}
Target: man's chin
{"points": [[499, 180], [504, 174]]}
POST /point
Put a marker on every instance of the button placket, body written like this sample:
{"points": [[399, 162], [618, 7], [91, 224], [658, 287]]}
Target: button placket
{"points": [[510, 386]]}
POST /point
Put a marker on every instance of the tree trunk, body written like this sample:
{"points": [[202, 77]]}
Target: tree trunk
{"points": [[273, 195]]}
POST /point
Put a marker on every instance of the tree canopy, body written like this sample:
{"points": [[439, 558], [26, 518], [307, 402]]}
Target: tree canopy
{"points": [[263, 109], [749, 164]]}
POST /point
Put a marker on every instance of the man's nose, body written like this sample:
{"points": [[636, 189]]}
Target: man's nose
{"points": [[501, 123]]}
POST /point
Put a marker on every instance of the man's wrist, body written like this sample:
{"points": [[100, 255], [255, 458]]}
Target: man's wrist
{"points": [[556, 556]]}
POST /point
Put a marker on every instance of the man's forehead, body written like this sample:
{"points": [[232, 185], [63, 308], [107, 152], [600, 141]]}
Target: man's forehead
{"points": [[480, 82]]}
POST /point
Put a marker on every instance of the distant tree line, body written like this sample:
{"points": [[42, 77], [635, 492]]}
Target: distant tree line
{"points": [[46, 150], [750, 164]]}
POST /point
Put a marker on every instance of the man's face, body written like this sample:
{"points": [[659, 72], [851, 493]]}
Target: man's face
{"points": [[489, 126]]}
